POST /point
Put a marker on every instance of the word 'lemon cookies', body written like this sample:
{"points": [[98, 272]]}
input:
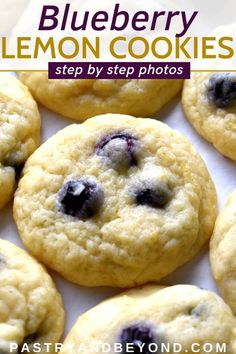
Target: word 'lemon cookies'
{"points": [[82, 99], [209, 102], [19, 131], [115, 201], [178, 319], [223, 250], [30, 307]]}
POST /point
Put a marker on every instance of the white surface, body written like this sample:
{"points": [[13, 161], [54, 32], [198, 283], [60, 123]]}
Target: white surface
{"points": [[79, 299]]}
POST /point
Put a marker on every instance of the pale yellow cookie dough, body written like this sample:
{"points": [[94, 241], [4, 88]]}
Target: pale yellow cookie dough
{"points": [[19, 131], [216, 124], [125, 242], [31, 309], [181, 314], [82, 99], [223, 251]]}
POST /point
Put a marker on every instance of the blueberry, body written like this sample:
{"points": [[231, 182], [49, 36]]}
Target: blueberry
{"points": [[119, 149], [221, 89], [137, 334], [80, 198], [156, 197]]}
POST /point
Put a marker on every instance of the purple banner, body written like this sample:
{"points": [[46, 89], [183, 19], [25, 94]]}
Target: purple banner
{"points": [[118, 70]]}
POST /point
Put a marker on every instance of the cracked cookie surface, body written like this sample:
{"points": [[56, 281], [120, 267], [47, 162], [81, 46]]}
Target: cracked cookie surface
{"points": [[155, 315], [82, 99], [222, 251], [209, 102], [99, 219], [31, 309], [19, 131]]}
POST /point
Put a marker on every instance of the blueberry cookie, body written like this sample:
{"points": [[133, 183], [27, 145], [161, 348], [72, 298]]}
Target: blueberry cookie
{"points": [[30, 307], [209, 102], [82, 99], [223, 250], [181, 318], [19, 131], [115, 201]]}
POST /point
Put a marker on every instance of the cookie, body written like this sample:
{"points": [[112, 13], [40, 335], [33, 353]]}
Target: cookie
{"points": [[181, 318], [209, 102], [115, 201], [82, 99], [31, 309], [222, 252], [19, 131]]}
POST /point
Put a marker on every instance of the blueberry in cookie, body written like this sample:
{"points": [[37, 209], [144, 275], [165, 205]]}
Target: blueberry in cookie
{"points": [[209, 102], [139, 335], [221, 90], [156, 197], [119, 149], [80, 198], [155, 319], [31, 309], [115, 201], [19, 131]]}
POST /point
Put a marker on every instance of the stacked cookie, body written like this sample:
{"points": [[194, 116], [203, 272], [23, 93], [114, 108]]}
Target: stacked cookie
{"points": [[209, 102], [19, 131], [115, 201], [31, 308], [152, 319], [82, 99]]}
